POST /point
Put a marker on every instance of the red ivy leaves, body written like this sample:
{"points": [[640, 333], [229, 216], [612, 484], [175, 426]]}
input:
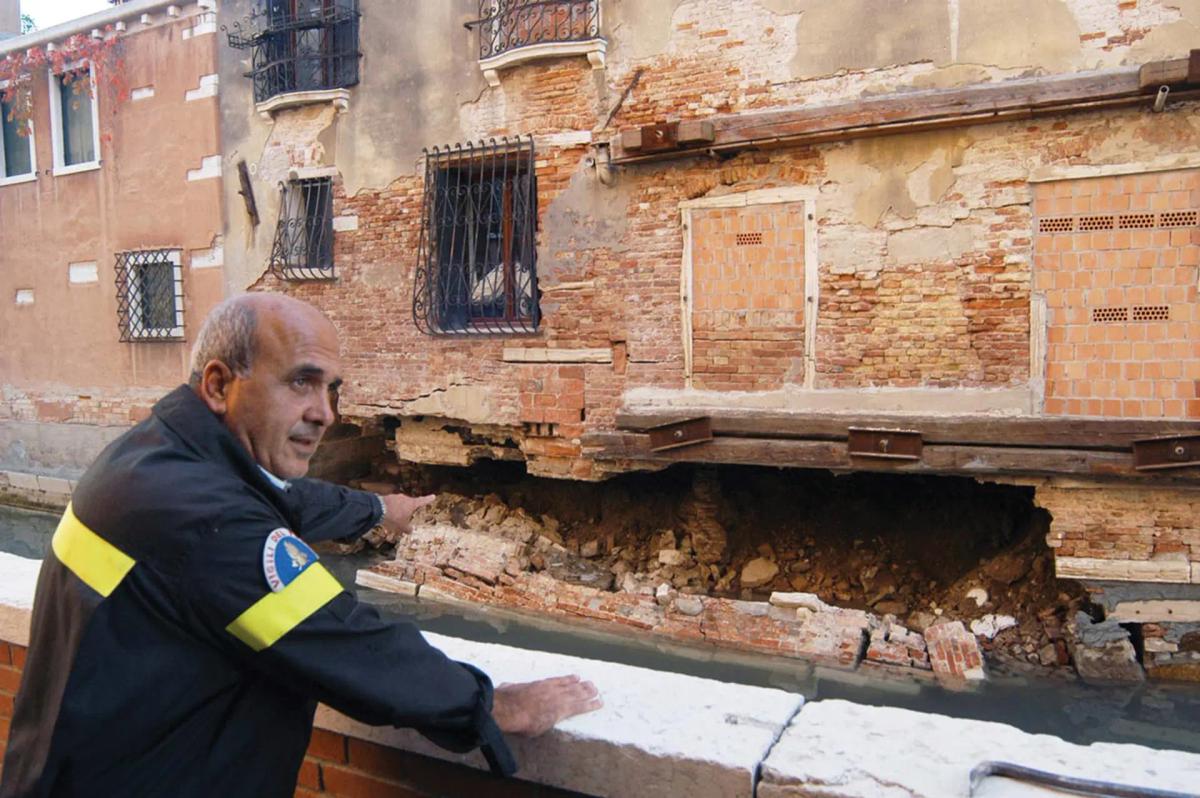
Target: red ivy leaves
{"points": [[73, 59]]}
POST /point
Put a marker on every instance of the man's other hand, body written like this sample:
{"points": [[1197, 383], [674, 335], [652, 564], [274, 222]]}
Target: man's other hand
{"points": [[531, 708], [400, 509]]}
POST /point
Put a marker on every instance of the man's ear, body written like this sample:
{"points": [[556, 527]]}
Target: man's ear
{"points": [[216, 382]]}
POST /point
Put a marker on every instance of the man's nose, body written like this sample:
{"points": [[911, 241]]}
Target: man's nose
{"points": [[320, 410]]}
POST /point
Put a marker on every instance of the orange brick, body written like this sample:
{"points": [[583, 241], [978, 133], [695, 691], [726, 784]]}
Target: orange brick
{"points": [[345, 783], [327, 745], [18, 656], [310, 775], [10, 679]]}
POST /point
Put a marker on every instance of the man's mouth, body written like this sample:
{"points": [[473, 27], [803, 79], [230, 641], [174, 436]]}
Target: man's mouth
{"points": [[305, 443]]}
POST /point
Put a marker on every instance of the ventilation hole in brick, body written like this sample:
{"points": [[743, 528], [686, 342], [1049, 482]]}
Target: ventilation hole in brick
{"points": [[1135, 221], [1179, 219], [1096, 223], [749, 239], [1057, 224], [1109, 315], [1151, 312]]}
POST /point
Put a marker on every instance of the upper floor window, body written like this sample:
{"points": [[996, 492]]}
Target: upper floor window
{"points": [[17, 155], [74, 122], [512, 31], [303, 247], [150, 295], [301, 45], [477, 258]]}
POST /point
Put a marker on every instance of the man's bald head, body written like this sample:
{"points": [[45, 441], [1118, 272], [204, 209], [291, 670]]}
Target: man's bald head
{"points": [[269, 367], [230, 333]]}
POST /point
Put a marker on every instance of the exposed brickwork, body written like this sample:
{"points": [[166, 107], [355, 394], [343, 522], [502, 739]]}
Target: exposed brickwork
{"points": [[12, 662], [360, 769], [954, 652], [1118, 260], [1124, 523], [104, 408]]}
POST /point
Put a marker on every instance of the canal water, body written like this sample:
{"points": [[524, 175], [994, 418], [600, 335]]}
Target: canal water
{"points": [[1159, 715]]}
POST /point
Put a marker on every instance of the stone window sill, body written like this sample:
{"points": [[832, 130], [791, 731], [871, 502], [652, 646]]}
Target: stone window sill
{"points": [[339, 98], [594, 49], [28, 177], [90, 166]]}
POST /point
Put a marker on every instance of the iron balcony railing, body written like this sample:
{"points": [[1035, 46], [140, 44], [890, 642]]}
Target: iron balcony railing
{"points": [[506, 25], [476, 269], [300, 45], [303, 248]]}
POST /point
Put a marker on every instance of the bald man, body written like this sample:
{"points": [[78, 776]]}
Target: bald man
{"points": [[184, 629]]}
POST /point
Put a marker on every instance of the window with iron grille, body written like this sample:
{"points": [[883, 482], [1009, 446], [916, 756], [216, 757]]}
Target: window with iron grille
{"points": [[303, 248], [506, 25], [150, 295], [300, 45], [476, 270]]}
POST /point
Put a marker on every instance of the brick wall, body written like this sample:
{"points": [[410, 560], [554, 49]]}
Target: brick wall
{"points": [[1117, 259], [1136, 533], [924, 245], [12, 661]]}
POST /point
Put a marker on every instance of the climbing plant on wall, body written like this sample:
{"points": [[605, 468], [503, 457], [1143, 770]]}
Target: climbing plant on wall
{"points": [[73, 59]]}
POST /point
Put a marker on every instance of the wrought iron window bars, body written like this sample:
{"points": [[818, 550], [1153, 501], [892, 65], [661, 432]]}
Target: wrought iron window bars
{"points": [[150, 295], [476, 269], [300, 45], [303, 248], [506, 25]]}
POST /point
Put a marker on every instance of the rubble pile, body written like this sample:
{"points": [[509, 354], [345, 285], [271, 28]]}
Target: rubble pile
{"points": [[699, 560]]}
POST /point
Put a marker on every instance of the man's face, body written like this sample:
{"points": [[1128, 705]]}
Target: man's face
{"points": [[280, 410]]}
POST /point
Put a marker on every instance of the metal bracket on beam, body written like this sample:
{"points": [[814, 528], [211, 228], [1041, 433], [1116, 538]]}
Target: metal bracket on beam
{"points": [[1166, 451], [675, 434], [884, 444]]}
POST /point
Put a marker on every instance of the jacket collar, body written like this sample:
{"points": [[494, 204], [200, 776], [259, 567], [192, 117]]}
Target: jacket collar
{"points": [[201, 430]]}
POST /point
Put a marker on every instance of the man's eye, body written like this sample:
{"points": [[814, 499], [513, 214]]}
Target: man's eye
{"points": [[300, 383]]}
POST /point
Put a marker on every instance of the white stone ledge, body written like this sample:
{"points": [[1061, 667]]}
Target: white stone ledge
{"points": [[18, 579], [836, 749], [1174, 570], [658, 733], [339, 98], [594, 49]]}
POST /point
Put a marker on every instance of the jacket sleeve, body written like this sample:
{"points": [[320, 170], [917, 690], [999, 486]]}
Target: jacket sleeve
{"points": [[316, 638], [327, 511]]}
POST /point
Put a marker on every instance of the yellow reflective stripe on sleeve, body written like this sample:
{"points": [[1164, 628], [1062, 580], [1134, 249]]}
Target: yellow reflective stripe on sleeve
{"points": [[100, 564], [276, 614]]}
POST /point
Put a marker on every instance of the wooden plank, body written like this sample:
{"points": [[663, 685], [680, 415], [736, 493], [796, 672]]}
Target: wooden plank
{"points": [[833, 455], [907, 111], [1156, 610], [1025, 431]]}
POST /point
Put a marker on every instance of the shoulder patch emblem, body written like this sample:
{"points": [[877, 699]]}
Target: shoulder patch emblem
{"points": [[285, 557]]}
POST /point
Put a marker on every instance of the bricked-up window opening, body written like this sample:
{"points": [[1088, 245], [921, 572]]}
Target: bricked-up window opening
{"points": [[300, 45], [1110, 315], [506, 25], [476, 269], [303, 247], [150, 295]]}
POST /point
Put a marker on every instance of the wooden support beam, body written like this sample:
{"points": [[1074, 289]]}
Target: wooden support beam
{"points": [[923, 109], [978, 461], [1032, 432]]}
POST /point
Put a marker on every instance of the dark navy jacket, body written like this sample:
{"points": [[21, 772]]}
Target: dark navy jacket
{"points": [[162, 663]]}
